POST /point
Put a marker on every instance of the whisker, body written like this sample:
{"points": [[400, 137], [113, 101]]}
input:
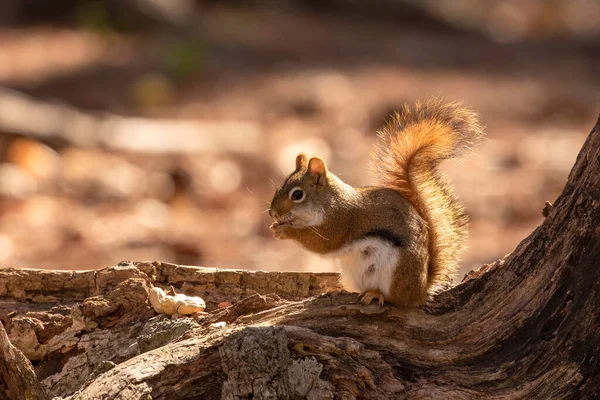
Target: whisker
{"points": [[317, 232], [273, 184], [311, 228], [254, 194], [265, 211]]}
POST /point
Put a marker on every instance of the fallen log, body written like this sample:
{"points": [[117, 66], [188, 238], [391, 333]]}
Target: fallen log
{"points": [[74, 325], [60, 122]]}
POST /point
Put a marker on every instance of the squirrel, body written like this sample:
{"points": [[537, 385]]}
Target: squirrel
{"points": [[397, 241]]}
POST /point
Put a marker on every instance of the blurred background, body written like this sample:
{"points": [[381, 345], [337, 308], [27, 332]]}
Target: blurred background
{"points": [[157, 129]]}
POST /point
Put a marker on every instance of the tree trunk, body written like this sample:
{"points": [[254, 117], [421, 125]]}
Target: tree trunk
{"points": [[525, 327]]}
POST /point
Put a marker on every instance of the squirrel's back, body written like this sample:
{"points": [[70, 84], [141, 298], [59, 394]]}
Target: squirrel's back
{"points": [[409, 149]]}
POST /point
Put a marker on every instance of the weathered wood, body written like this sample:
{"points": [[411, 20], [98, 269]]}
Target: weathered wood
{"points": [[213, 284], [526, 326], [17, 377], [75, 323]]}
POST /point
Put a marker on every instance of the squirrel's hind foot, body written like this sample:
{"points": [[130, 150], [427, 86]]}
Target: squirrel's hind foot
{"points": [[369, 295]]}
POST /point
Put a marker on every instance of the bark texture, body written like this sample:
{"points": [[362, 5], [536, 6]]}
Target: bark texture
{"points": [[17, 377], [526, 326], [76, 325]]}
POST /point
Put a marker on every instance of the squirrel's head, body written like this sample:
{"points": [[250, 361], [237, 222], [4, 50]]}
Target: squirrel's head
{"points": [[301, 199]]}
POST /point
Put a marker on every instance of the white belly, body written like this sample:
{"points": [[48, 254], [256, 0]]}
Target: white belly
{"points": [[368, 264]]}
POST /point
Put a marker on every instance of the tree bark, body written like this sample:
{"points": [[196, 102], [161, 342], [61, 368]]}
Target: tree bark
{"points": [[17, 377], [524, 327]]}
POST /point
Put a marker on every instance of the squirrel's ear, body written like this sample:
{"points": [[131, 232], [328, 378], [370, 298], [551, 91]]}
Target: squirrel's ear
{"points": [[318, 170], [301, 161]]}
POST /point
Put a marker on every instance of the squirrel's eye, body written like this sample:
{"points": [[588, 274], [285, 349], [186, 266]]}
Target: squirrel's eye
{"points": [[297, 195]]}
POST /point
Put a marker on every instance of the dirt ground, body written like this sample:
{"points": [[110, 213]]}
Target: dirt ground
{"points": [[311, 82]]}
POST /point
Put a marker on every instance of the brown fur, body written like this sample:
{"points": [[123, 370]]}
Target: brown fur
{"points": [[412, 202]]}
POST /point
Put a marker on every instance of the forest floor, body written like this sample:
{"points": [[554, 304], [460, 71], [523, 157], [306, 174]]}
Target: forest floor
{"points": [[315, 83]]}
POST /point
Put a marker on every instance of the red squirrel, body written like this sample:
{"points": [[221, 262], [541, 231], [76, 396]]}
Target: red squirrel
{"points": [[397, 240]]}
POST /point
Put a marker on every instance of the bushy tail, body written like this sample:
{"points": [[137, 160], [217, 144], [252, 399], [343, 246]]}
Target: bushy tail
{"points": [[406, 157]]}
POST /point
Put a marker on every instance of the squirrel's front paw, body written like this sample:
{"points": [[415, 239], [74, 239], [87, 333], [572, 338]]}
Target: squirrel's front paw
{"points": [[278, 230]]}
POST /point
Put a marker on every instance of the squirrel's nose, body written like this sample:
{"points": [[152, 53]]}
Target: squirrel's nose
{"points": [[273, 214]]}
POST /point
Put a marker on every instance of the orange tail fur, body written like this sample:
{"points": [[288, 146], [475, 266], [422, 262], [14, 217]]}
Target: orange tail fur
{"points": [[408, 152]]}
